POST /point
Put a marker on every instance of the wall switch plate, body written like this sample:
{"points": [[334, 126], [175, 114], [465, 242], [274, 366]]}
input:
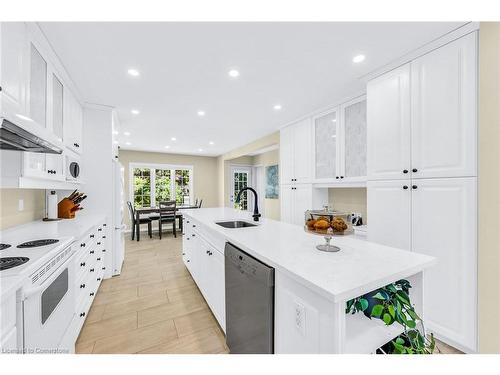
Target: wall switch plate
{"points": [[20, 205], [300, 318]]}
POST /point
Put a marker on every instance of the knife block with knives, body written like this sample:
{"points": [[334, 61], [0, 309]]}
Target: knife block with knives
{"points": [[67, 207]]}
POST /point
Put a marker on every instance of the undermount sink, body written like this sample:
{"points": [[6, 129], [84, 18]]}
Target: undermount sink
{"points": [[235, 224]]}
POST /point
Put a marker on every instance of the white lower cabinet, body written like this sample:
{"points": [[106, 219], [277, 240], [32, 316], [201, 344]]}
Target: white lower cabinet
{"points": [[444, 226], [436, 217], [389, 210], [205, 262]]}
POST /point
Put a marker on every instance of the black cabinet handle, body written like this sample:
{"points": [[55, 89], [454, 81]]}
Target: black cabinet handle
{"points": [[210, 253], [82, 286], [98, 279], [92, 236], [183, 253], [194, 226], [92, 294], [103, 250], [103, 268], [405, 171], [82, 245], [187, 260], [187, 221], [193, 235], [99, 230], [91, 251], [103, 236], [414, 170], [92, 270], [207, 251], [104, 224], [188, 238], [337, 177], [82, 314], [405, 187], [98, 258], [82, 264], [98, 243], [414, 187]]}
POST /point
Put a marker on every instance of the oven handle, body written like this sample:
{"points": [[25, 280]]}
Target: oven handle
{"points": [[35, 290]]}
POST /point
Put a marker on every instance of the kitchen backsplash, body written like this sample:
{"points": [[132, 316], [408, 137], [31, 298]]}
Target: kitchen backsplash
{"points": [[34, 206], [349, 200]]}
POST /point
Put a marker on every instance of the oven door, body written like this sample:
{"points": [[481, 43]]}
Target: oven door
{"points": [[49, 309]]}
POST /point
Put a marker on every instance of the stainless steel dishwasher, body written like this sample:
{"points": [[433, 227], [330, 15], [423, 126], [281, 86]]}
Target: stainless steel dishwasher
{"points": [[249, 303]]}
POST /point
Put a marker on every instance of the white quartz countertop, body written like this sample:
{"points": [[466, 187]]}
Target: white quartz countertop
{"points": [[75, 228], [359, 267]]}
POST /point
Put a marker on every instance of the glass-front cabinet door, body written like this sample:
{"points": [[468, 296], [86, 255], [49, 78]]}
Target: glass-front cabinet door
{"points": [[327, 140], [353, 121], [38, 87]]}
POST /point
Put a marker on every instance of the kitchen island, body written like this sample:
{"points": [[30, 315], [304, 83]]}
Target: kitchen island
{"points": [[311, 287]]}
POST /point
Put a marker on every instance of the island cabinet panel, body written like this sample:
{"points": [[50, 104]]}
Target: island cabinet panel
{"points": [[444, 226]]}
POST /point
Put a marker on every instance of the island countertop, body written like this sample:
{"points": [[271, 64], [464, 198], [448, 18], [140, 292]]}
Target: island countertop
{"points": [[359, 267]]}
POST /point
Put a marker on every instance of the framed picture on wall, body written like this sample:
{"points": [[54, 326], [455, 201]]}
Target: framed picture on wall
{"points": [[272, 182]]}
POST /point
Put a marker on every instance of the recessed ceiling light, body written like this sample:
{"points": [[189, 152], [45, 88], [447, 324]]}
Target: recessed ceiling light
{"points": [[277, 107], [133, 72], [115, 142], [211, 143], [358, 58], [201, 113], [167, 146], [233, 73], [126, 133], [128, 143], [135, 111], [173, 139], [200, 149], [116, 132]]}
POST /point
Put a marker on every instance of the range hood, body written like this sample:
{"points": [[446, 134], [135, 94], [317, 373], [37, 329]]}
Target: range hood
{"points": [[14, 137]]}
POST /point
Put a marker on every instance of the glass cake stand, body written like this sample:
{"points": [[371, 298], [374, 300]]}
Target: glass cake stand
{"points": [[327, 235]]}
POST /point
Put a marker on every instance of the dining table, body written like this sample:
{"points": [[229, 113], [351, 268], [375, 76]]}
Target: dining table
{"points": [[156, 210]]}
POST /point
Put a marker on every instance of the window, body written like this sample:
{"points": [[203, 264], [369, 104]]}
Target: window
{"points": [[151, 184]]}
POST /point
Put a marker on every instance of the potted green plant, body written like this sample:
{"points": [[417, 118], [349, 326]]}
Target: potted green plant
{"points": [[392, 304]]}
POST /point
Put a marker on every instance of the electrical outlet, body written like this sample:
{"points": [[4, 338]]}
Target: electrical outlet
{"points": [[20, 205], [300, 318]]}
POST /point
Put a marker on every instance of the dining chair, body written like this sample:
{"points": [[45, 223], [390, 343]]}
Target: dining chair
{"points": [[168, 214], [196, 202], [136, 226], [201, 201]]}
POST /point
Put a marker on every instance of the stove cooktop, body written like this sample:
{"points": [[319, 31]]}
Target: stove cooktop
{"points": [[11, 262], [4, 246], [37, 243]]}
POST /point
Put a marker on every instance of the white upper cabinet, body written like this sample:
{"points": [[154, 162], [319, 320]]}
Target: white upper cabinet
{"points": [[353, 145], [327, 136], [444, 215], [37, 93], [295, 152], [340, 143], [57, 107], [388, 134], [443, 92], [12, 73], [73, 122]]}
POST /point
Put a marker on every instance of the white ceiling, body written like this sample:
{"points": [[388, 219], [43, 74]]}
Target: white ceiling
{"points": [[183, 68]]}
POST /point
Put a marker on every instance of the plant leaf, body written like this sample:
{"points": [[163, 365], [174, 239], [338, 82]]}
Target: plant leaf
{"points": [[364, 304], [377, 310], [387, 319], [379, 296]]}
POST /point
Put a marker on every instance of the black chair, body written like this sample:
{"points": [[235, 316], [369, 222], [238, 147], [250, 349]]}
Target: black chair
{"points": [[136, 225], [201, 201], [168, 214]]}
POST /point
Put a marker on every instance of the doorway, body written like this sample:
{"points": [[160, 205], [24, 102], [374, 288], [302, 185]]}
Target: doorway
{"points": [[241, 177]]}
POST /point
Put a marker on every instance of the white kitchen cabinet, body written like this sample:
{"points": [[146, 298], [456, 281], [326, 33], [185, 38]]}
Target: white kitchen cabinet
{"points": [[297, 199], [37, 87], [43, 166], [327, 146], [56, 115], [340, 144], [443, 108], [444, 226], [388, 132], [12, 72], [73, 122], [295, 152], [389, 210]]}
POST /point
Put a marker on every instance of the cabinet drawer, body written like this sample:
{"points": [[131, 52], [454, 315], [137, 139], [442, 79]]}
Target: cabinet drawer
{"points": [[8, 312]]}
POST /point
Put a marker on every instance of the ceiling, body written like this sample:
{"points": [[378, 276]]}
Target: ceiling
{"points": [[184, 69]]}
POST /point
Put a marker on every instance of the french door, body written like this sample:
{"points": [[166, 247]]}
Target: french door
{"points": [[241, 177]]}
